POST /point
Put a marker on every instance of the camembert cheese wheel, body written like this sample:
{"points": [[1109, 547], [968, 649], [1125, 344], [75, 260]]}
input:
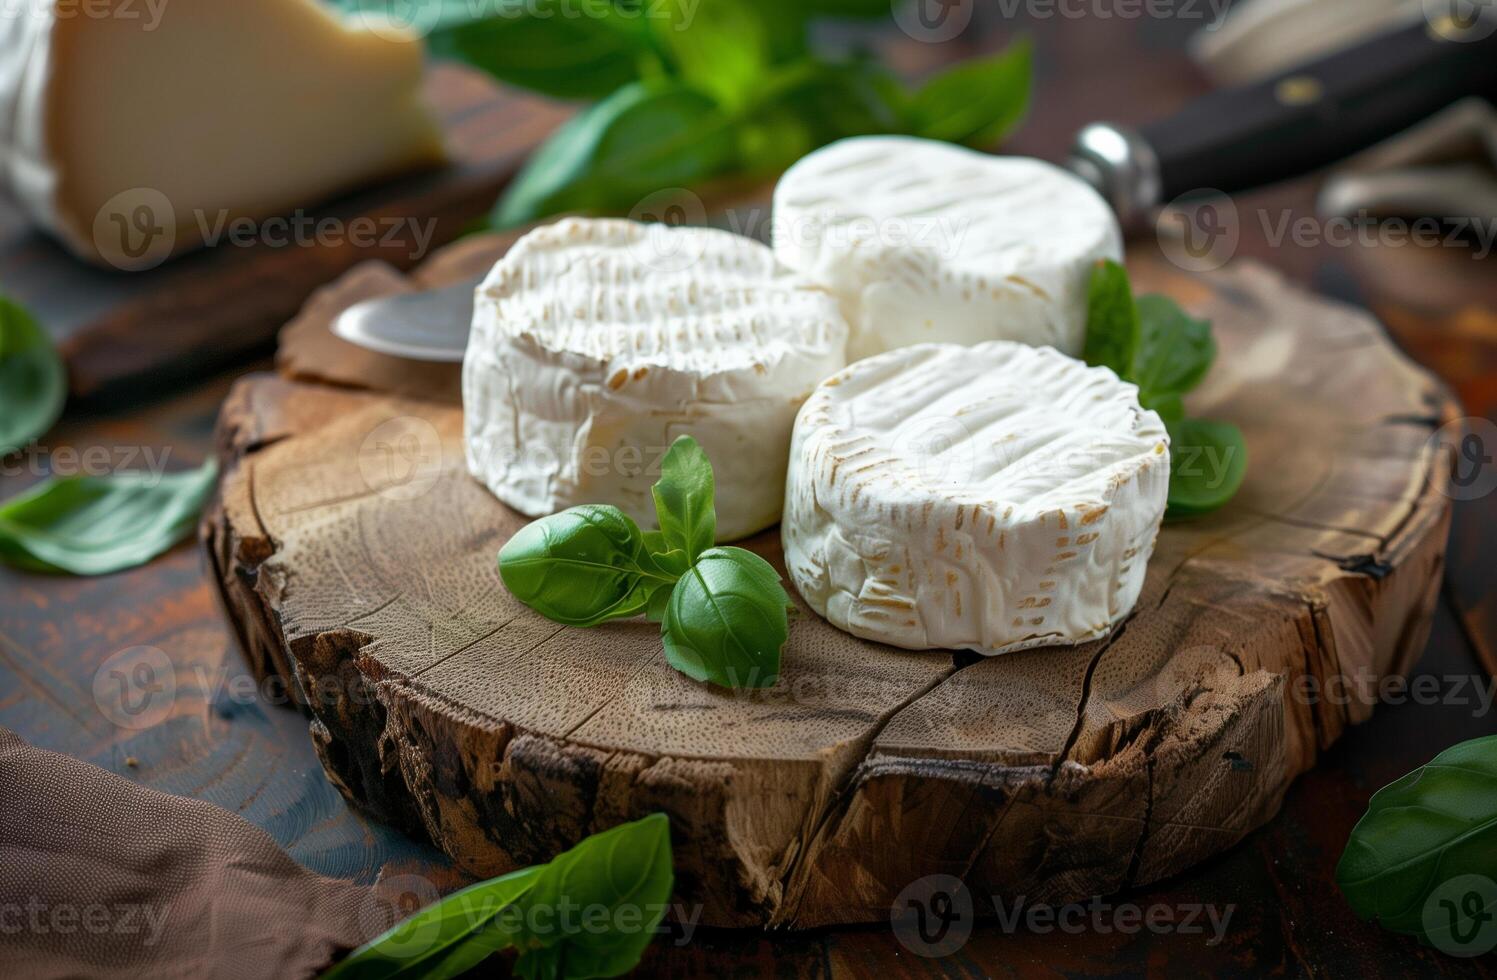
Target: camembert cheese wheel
{"points": [[988, 498], [596, 343], [925, 242]]}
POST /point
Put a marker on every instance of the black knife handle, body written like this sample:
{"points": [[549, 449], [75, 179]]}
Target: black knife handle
{"points": [[1320, 112]]}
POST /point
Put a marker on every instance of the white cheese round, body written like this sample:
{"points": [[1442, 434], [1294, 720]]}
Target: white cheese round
{"points": [[988, 498], [596, 343], [925, 242]]}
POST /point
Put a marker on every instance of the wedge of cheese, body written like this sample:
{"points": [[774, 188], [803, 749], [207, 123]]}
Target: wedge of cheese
{"points": [[596, 343], [987, 498], [925, 242], [127, 127]]}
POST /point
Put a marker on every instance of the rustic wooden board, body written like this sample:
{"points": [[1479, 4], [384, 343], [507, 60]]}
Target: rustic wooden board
{"points": [[211, 307], [353, 552]]}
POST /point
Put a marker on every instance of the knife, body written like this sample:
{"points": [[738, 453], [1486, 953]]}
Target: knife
{"points": [[1227, 141]]}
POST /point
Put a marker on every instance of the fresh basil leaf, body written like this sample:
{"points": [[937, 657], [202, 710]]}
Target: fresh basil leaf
{"points": [[1208, 461], [96, 525], [659, 600], [588, 913], [33, 384], [646, 136], [673, 561], [977, 102], [1169, 408], [623, 876], [842, 99], [1175, 350], [721, 47], [726, 622], [1112, 327], [1434, 824], [548, 46], [434, 942], [772, 139], [581, 567], [684, 499]]}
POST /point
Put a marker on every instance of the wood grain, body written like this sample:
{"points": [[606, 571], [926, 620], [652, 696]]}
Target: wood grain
{"points": [[441, 705]]}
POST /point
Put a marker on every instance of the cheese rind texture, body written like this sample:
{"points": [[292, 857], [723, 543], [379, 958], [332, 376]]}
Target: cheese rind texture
{"points": [[161, 122], [596, 343], [925, 242], [988, 498]]}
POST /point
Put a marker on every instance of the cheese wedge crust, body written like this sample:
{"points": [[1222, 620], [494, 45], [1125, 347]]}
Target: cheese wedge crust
{"points": [[130, 128], [925, 242], [596, 343], [988, 498]]}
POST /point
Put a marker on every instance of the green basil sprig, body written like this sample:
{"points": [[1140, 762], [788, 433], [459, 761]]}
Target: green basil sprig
{"points": [[723, 612], [591, 912], [33, 384], [1157, 346], [688, 92], [96, 525], [1435, 824]]}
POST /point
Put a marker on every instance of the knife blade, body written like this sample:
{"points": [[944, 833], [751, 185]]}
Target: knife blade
{"points": [[1227, 141]]}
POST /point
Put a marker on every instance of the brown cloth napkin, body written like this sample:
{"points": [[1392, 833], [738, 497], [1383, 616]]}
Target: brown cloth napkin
{"points": [[100, 877]]}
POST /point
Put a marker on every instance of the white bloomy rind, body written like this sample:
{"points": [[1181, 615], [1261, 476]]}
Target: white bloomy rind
{"points": [[219, 108], [925, 242], [596, 343], [988, 498]]}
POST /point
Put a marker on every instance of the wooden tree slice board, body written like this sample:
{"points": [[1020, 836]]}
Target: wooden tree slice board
{"points": [[356, 555]]}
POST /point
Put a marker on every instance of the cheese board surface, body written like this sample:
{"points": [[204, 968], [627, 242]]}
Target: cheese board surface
{"points": [[354, 552]]}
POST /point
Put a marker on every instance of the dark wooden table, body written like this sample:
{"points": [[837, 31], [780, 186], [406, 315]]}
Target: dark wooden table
{"points": [[242, 748]]}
